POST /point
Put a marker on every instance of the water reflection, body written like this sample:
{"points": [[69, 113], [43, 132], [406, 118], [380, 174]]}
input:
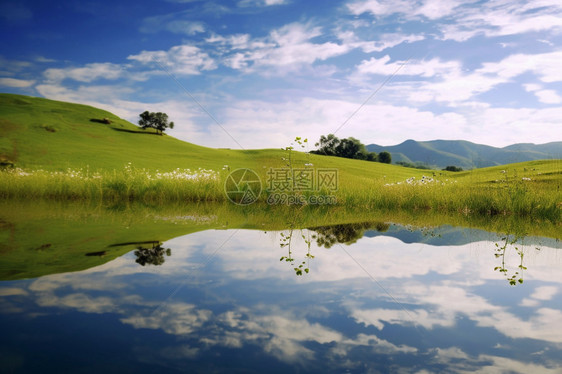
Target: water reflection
{"points": [[152, 256], [148, 252], [285, 241], [327, 236], [422, 300]]}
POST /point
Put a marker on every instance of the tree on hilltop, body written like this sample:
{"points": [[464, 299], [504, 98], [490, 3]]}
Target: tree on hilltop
{"points": [[331, 145], [157, 121]]}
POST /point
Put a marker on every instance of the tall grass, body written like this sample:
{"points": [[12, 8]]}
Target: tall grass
{"points": [[524, 198], [476, 196], [129, 184]]}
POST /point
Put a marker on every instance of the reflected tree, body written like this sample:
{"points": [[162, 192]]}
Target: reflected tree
{"points": [[152, 256], [327, 236]]}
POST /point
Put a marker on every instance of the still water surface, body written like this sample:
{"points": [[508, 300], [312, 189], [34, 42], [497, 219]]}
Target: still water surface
{"points": [[396, 300]]}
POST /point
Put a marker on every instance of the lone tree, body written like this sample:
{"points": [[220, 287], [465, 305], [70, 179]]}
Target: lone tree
{"points": [[157, 121], [453, 168], [384, 157]]}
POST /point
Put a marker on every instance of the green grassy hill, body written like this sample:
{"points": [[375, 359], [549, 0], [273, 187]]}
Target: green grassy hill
{"points": [[44, 134], [53, 135]]}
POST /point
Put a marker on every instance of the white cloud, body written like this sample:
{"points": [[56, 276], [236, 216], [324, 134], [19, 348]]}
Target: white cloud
{"points": [[448, 82], [385, 41], [431, 68], [545, 65], [180, 59], [497, 365], [248, 3], [95, 95], [457, 361], [172, 23], [381, 7], [44, 60], [500, 18], [529, 302], [548, 97], [379, 346], [175, 318], [11, 67], [469, 17], [544, 293], [452, 88], [292, 46], [377, 317], [16, 83], [87, 73], [238, 42], [286, 49], [11, 291], [78, 301], [432, 9], [185, 27], [516, 124]]}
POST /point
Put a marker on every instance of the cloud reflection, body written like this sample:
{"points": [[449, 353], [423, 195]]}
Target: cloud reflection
{"points": [[245, 298]]}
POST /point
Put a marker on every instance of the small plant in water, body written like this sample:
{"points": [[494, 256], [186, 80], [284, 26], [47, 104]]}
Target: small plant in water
{"points": [[500, 252], [286, 241]]}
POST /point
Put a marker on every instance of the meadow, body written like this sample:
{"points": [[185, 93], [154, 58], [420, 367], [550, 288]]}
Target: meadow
{"points": [[529, 189]]}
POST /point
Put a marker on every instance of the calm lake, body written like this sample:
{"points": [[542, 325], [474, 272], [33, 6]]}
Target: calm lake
{"points": [[197, 291]]}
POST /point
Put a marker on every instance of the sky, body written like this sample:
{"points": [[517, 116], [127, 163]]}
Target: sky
{"points": [[258, 73]]}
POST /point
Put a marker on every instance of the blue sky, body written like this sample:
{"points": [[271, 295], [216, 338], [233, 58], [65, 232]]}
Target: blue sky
{"points": [[258, 73]]}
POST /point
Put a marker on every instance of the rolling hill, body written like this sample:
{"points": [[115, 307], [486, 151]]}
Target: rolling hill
{"points": [[38, 133], [442, 153], [54, 135]]}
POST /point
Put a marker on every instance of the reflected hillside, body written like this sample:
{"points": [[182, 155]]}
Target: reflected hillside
{"points": [[44, 238]]}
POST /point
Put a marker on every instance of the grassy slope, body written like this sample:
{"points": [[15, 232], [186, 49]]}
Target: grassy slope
{"points": [[78, 142]]}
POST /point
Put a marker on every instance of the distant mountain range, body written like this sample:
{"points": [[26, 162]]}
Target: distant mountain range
{"points": [[442, 153]]}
